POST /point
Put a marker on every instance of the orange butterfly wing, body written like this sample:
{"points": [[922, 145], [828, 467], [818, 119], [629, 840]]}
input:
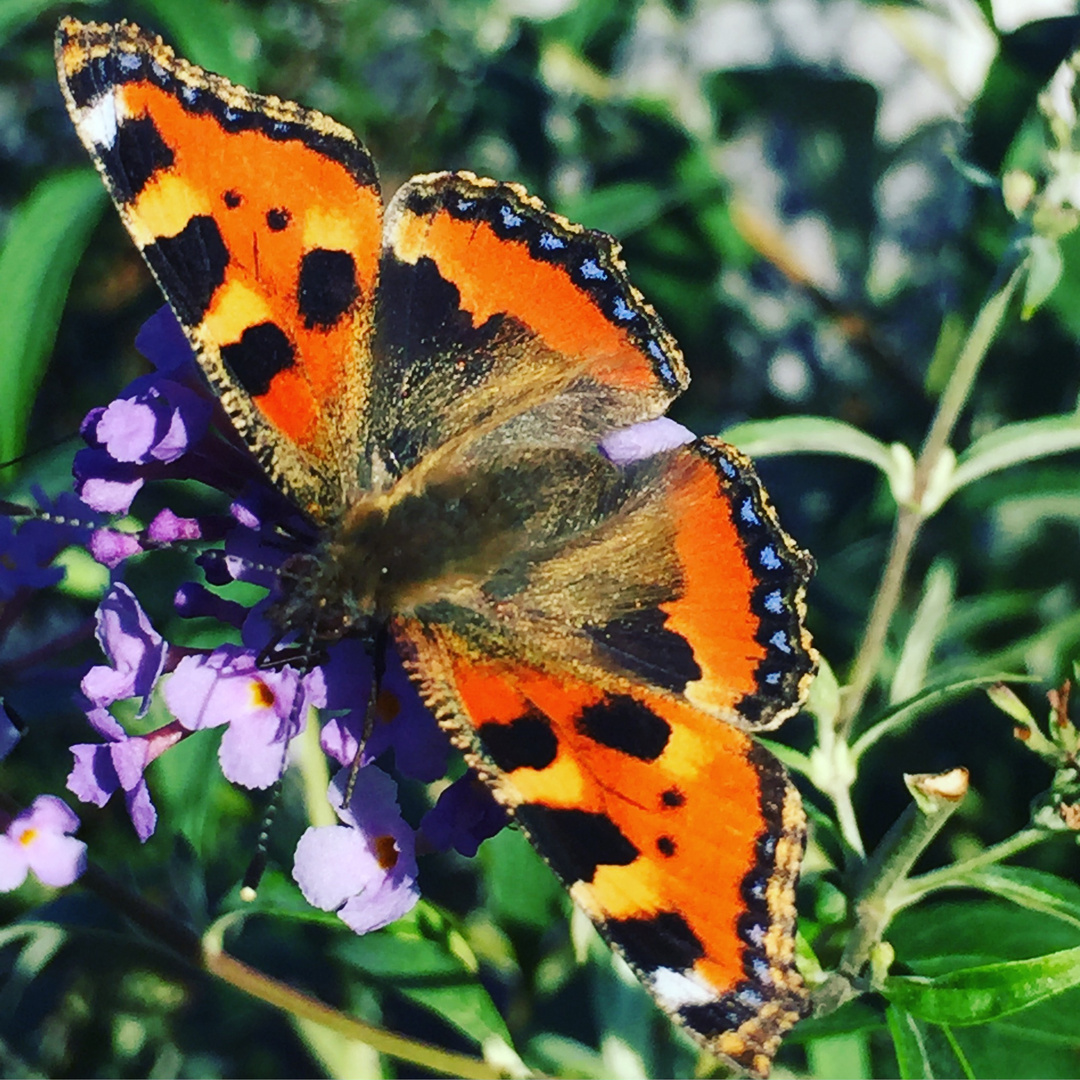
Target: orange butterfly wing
{"points": [[262, 227]]}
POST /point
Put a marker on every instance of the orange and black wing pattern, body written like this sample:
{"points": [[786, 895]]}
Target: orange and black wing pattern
{"points": [[676, 833], [589, 685], [262, 222], [502, 324]]}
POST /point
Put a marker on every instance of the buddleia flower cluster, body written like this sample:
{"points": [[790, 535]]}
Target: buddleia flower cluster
{"points": [[167, 425]]}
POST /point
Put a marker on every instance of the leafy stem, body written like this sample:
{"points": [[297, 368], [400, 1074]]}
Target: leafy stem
{"points": [[209, 955], [934, 800], [911, 513], [915, 889]]}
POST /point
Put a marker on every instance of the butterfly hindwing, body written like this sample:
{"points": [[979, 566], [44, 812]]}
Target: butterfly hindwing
{"points": [[261, 221], [588, 679], [676, 833]]}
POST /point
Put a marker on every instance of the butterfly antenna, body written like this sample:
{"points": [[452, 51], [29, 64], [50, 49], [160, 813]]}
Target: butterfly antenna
{"points": [[378, 663], [18, 510], [257, 867]]}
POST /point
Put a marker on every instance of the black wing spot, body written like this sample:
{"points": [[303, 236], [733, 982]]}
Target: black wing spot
{"points": [[138, 152], [663, 940], [278, 219], [327, 287], [190, 266], [232, 198], [258, 356], [625, 724], [666, 846], [526, 743], [673, 797], [576, 842], [642, 644]]}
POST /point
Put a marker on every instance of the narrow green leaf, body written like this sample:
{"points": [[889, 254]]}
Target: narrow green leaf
{"points": [[925, 1051], [429, 974], [1012, 444], [910, 1044], [1032, 889], [978, 995], [926, 628], [842, 1057], [813, 435], [40, 251], [1045, 265], [620, 209], [901, 715]]}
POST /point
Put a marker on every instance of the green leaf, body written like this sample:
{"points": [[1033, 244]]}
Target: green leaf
{"points": [[821, 435], [620, 209], [44, 242], [910, 1043], [520, 887], [430, 973], [1035, 890], [894, 720], [924, 1052], [1045, 265], [843, 1057], [1012, 444], [926, 628], [978, 995], [216, 36]]}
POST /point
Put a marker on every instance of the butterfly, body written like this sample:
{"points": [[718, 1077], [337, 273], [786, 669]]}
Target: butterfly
{"points": [[432, 385]]}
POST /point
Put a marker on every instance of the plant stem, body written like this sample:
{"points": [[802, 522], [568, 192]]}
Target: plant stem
{"points": [[911, 515], [885, 875], [293, 1002], [209, 956], [914, 889]]}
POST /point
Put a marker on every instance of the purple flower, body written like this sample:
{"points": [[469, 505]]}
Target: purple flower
{"points": [[365, 869], [642, 440], [101, 769], [157, 421], [9, 732], [105, 484], [265, 709], [465, 815], [136, 652], [39, 839], [402, 722], [161, 340], [28, 547], [110, 547]]}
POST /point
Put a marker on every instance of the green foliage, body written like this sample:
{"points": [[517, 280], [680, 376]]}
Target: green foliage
{"points": [[872, 286]]}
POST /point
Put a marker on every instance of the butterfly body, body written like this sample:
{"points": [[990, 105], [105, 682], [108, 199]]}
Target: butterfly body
{"points": [[434, 389]]}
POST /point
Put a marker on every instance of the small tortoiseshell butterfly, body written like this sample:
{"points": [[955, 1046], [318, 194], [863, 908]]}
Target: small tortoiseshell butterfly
{"points": [[431, 387]]}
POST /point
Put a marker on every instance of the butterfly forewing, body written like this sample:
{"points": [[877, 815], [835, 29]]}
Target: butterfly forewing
{"points": [[261, 221]]}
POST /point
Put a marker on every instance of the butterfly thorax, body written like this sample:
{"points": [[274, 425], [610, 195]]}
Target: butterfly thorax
{"points": [[422, 543]]}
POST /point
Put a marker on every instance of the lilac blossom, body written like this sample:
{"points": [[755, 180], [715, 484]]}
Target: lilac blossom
{"points": [[364, 869], [401, 721], [136, 652], [39, 839], [464, 816], [102, 769], [264, 709], [642, 440]]}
